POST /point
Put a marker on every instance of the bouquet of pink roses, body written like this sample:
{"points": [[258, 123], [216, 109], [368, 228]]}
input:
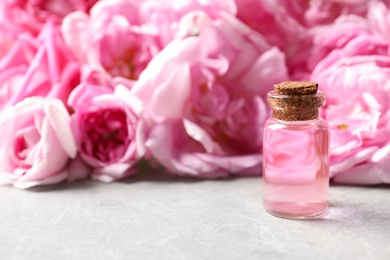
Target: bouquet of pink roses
{"points": [[90, 88]]}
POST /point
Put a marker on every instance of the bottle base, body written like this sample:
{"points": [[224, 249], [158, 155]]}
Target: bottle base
{"points": [[296, 210]]}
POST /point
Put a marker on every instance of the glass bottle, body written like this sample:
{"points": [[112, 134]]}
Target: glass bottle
{"points": [[296, 152]]}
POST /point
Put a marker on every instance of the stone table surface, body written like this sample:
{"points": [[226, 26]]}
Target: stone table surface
{"points": [[158, 217]]}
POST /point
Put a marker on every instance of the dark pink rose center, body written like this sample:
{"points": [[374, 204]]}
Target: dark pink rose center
{"points": [[25, 145], [21, 148], [107, 135]]}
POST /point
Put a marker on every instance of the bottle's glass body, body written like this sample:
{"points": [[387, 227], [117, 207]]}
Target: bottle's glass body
{"points": [[296, 167]]}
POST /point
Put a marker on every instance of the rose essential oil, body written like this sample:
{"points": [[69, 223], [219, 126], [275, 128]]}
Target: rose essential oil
{"points": [[296, 152]]}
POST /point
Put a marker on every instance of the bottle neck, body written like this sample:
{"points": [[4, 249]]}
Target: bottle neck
{"points": [[293, 114]]}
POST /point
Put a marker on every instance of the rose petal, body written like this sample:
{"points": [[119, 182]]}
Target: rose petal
{"points": [[59, 120], [177, 88]]}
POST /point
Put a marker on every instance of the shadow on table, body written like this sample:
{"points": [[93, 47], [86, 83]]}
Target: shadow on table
{"points": [[378, 186], [355, 204], [356, 215]]}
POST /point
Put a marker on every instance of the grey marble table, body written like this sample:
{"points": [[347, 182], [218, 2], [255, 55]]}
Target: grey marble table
{"points": [[157, 217]]}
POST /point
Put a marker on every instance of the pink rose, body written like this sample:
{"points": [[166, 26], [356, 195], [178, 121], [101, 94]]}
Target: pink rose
{"points": [[210, 7], [39, 66], [166, 15], [36, 143], [301, 13], [122, 36], [106, 128], [203, 95], [356, 80], [291, 25], [326, 11], [379, 18], [31, 15], [281, 23], [112, 38], [336, 36], [7, 39]]}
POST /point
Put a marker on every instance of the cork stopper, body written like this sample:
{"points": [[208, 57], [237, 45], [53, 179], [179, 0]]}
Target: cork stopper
{"points": [[296, 88], [296, 101]]}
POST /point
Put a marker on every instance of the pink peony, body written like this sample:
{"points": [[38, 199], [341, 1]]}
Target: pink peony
{"points": [[106, 128], [203, 97], [38, 66], [31, 15], [36, 143], [356, 80]]}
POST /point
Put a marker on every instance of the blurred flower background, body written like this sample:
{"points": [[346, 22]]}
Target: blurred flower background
{"points": [[93, 89]]}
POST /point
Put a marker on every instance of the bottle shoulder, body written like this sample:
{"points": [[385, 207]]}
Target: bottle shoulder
{"points": [[319, 124]]}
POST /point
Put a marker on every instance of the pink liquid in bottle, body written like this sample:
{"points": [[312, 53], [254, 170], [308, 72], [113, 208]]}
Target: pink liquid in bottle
{"points": [[296, 157], [296, 168]]}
